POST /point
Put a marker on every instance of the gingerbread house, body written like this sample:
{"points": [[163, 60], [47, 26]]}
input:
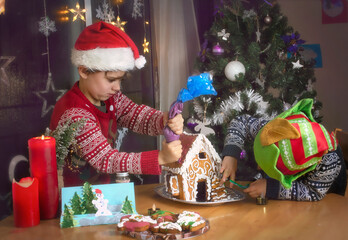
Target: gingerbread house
{"points": [[195, 177]]}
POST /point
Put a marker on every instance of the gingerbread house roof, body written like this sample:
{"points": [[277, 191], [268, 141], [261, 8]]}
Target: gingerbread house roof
{"points": [[192, 144]]}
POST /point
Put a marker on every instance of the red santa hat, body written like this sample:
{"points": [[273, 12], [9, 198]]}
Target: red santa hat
{"points": [[97, 191], [104, 47]]}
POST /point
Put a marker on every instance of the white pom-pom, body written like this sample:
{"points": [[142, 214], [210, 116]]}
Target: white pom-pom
{"points": [[140, 62]]}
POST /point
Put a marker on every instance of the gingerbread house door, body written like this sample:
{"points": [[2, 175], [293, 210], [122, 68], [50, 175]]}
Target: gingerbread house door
{"points": [[202, 191]]}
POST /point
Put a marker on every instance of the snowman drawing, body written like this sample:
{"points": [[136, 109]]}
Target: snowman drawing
{"points": [[101, 204]]}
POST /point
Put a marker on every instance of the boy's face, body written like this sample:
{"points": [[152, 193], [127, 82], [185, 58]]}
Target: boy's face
{"points": [[100, 86]]}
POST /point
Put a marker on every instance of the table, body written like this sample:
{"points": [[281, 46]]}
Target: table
{"points": [[326, 219]]}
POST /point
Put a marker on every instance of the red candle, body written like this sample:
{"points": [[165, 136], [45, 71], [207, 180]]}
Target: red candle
{"points": [[43, 166], [25, 195]]}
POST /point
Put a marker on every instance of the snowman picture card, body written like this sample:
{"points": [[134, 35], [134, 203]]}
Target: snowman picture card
{"points": [[96, 204]]}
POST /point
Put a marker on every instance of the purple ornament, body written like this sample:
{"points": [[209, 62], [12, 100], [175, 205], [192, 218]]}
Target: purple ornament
{"points": [[191, 124], [242, 154], [218, 50]]}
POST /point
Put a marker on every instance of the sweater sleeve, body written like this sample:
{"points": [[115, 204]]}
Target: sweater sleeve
{"points": [[95, 149], [312, 186], [240, 129], [138, 118]]}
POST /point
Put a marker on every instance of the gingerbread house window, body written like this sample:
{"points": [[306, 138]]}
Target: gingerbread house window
{"points": [[202, 156]]}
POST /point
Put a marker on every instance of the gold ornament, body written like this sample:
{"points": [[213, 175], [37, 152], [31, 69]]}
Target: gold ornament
{"points": [[78, 12], [267, 19]]}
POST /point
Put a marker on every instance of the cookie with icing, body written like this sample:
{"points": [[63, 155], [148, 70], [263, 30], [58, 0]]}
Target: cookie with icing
{"points": [[169, 228], [190, 221]]}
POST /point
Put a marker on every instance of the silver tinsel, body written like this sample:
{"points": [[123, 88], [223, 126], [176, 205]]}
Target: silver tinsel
{"points": [[234, 103]]}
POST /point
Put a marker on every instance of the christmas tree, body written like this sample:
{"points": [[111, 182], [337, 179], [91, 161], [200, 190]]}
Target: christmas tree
{"points": [[68, 218], [76, 204], [127, 207], [87, 198], [257, 64]]}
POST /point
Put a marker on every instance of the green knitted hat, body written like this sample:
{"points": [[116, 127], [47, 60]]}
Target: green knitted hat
{"points": [[292, 144]]}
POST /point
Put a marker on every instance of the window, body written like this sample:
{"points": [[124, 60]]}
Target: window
{"points": [[202, 156]]}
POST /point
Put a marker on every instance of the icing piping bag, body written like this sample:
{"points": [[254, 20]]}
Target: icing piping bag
{"points": [[239, 185], [196, 86]]}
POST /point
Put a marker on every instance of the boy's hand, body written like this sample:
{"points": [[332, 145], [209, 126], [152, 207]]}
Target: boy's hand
{"points": [[257, 188], [171, 152], [176, 124], [228, 168]]}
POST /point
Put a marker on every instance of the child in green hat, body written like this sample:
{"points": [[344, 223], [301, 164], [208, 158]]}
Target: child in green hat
{"points": [[300, 159]]}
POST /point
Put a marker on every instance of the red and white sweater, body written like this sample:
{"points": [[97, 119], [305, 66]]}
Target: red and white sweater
{"points": [[97, 137]]}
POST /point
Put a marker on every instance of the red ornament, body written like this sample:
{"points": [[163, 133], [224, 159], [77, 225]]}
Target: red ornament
{"points": [[25, 195], [218, 50], [43, 166]]}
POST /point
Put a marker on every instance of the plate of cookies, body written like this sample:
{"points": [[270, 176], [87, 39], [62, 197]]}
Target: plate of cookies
{"points": [[226, 195], [164, 225]]}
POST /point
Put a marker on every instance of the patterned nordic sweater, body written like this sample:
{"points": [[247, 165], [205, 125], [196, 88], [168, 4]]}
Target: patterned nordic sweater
{"points": [[312, 186], [98, 135]]}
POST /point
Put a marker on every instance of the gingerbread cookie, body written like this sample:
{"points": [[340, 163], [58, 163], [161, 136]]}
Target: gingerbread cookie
{"points": [[169, 228], [190, 221]]}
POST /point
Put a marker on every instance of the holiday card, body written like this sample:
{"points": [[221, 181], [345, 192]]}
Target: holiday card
{"points": [[96, 204], [334, 11], [312, 52]]}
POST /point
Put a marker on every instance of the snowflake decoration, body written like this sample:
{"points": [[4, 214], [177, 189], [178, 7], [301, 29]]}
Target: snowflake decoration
{"points": [[46, 26], [249, 14], [137, 9], [105, 13]]}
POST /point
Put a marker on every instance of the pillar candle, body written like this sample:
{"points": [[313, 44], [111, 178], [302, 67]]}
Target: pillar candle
{"points": [[43, 166], [25, 195]]}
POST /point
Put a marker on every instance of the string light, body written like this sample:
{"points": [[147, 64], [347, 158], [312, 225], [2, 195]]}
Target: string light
{"points": [[118, 2], [78, 12], [2, 7], [63, 14], [146, 43], [118, 22]]}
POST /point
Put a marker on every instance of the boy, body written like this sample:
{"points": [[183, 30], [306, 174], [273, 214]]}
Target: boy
{"points": [[103, 54], [297, 154]]}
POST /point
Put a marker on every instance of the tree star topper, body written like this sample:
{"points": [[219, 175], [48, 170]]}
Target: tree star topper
{"points": [[78, 12]]}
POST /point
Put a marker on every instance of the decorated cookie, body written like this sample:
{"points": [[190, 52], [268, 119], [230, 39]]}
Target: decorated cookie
{"points": [[136, 226], [161, 213], [169, 228], [190, 221]]}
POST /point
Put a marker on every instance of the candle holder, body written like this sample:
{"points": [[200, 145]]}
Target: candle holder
{"points": [[43, 166], [152, 210], [261, 200]]}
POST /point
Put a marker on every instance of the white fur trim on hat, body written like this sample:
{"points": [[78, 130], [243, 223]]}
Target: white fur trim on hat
{"points": [[105, 59], [140, 62]]}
